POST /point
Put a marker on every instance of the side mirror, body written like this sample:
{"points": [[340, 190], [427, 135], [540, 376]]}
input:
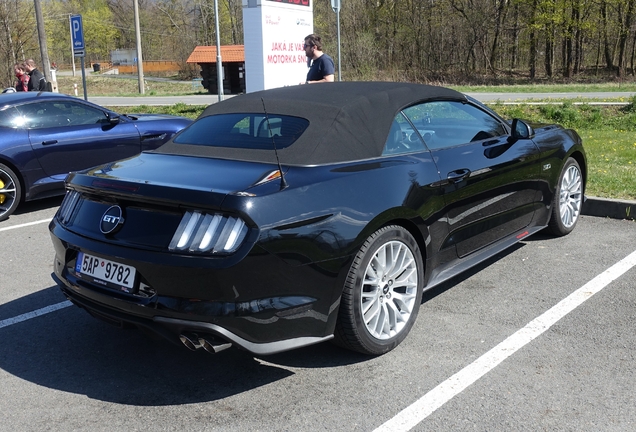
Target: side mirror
{"points": [[113, 120], [521, 130]]}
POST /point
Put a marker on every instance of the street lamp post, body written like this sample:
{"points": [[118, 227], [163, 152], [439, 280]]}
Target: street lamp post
{"points": [[335, 5], [219, 63], [140, 63], [46, 68]]}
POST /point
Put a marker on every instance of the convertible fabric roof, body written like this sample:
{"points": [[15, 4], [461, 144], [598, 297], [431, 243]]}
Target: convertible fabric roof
{"points": [[348, 121]]}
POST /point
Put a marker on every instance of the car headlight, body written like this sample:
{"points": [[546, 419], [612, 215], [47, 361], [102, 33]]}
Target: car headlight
{"points": [[208, 233]]}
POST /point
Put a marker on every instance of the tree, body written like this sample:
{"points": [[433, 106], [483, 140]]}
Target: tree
{"points": [[18, 38]]}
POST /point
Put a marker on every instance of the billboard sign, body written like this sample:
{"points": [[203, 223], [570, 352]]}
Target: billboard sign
{"points": [[274, 33]]}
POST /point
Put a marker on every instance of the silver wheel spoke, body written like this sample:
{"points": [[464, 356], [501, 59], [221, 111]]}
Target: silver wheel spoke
{"points": [[369, 300], [372, 314], [405, 302]]}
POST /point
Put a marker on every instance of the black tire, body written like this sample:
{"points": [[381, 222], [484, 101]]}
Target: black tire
{"points": [[568, 199], [10, 192], [374, 317]]}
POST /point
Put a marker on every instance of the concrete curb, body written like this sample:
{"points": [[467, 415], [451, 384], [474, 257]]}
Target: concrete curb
{"points": [[611, 208]]}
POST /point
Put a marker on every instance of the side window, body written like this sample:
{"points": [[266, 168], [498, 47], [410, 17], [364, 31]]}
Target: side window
{"points": [[81, 114], [42, 115], [445, 123], [11, 118], [402, 138], [34, 115]]}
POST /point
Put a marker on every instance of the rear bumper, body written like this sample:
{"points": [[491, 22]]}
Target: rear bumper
{"points": [[261, 304], [172, 328]]}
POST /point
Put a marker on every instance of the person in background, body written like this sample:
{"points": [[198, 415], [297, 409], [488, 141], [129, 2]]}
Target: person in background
{"points": [[22, 76], [321, 67], [37, 81]]}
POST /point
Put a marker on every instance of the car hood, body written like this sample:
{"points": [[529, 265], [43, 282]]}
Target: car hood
{"points": [[151, 171]]}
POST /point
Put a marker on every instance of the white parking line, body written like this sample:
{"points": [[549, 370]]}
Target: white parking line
{"points": [[427, 404], [25, 225], [34, 314]]}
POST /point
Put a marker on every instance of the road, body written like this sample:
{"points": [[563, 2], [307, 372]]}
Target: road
{"points": [[567, 363]]}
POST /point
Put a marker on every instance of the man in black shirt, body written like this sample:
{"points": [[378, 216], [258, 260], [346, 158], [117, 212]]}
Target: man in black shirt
{"points": [[322, 68], [37, 82]]}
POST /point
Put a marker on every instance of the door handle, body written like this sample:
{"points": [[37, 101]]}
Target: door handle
{"points": [[458, 175], [49, 142], [153, 136], [491, 142]]}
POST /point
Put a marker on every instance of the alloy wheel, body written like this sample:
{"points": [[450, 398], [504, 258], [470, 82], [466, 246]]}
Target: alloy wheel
{"points": [[389, 290], [8, 193], [571, 196]]}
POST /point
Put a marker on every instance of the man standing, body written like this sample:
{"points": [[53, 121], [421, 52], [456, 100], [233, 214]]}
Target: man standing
{"points": [[321, 68], [37, 82]]}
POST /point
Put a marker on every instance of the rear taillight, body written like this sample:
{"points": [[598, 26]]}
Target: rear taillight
{"points": [[68, 206], [208, 233]]}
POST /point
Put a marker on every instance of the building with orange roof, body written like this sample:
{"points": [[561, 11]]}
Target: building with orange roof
{"points": [[233, 61]]}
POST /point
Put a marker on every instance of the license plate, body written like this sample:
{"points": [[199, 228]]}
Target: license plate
{"points": [[106, 272]]}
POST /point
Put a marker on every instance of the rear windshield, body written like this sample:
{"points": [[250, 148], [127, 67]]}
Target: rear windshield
{"points": [[248, 131]]}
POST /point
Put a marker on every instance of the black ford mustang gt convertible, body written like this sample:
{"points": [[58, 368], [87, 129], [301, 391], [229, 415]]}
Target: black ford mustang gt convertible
{"points": [[292, 216]]}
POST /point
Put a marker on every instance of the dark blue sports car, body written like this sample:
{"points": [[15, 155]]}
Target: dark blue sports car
{"points": [[293, 216], [44, 136]]}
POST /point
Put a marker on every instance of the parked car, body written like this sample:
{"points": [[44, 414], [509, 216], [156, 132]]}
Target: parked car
{"points": [[288, 217], [44, 136]]}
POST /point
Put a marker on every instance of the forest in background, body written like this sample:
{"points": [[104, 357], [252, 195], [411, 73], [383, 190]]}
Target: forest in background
{"points": [[439, 41]]}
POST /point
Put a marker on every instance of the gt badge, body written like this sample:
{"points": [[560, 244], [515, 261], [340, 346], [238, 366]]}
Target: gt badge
{"points": [[112, 220]]}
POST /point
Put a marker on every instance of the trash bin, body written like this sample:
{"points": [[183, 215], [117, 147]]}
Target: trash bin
{"points": [[97, 67]]}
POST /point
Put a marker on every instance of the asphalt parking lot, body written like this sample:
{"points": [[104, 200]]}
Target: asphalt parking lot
{"points": [[539, 338]]}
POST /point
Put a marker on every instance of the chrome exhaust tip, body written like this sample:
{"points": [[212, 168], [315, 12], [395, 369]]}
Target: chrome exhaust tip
{"points": [[190, 340], [213, 347]]}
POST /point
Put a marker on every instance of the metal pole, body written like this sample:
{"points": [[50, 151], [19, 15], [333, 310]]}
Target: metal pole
{"points": [[83, 77], [219, 63], [335, 5], [140, 63], [70, 27], [46, 67], [339, 59]]}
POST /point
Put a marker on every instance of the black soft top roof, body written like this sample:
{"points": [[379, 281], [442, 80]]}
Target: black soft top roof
{"points": [[347, 120]]}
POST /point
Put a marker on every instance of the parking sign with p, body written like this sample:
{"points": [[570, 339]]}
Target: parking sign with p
{"points": [[77, 34]]}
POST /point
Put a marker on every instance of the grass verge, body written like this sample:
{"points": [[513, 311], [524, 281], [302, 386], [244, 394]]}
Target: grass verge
{"points": [[124, 86], [609, 137], [550, 88], [611, 157], [179, 109]]}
